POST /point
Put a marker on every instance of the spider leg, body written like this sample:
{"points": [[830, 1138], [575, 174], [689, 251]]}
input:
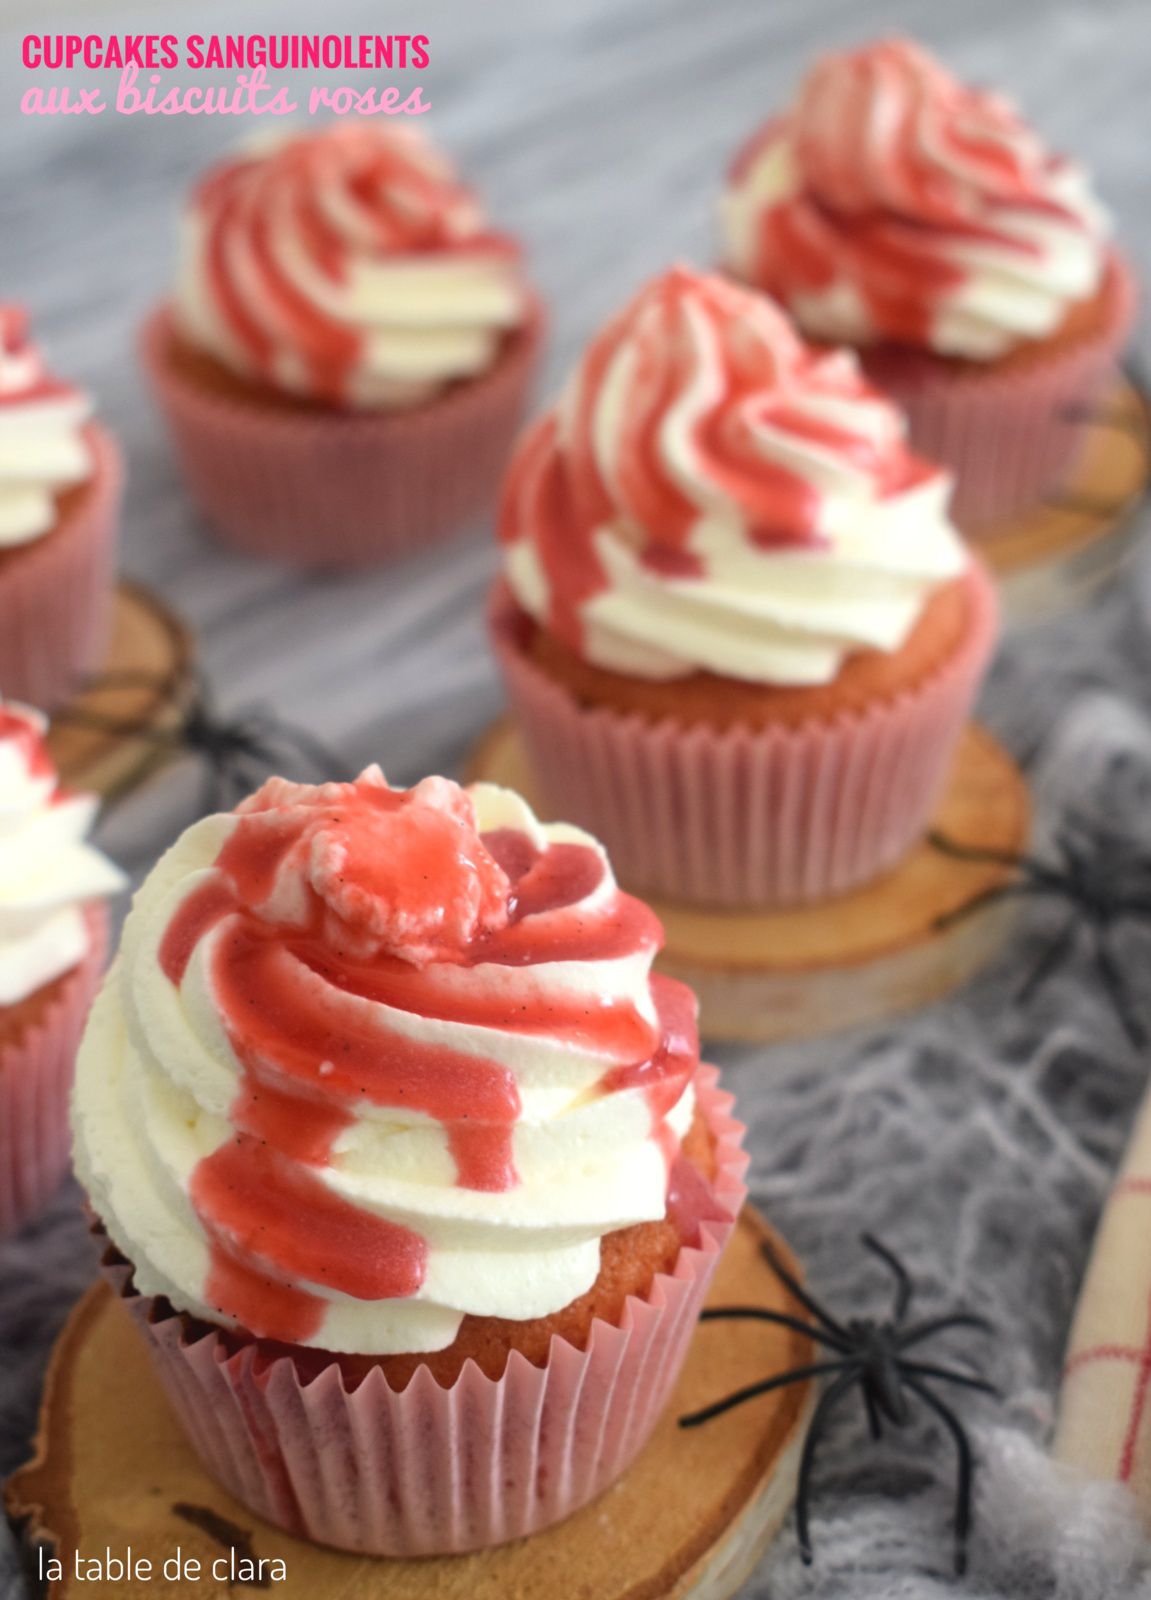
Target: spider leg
{"points": [[903, 1289], [1053, 957], [874, 1424], [968, 1380], [761, 1314], [754, 1390], [796, 1289], [827, 1400], [965, 1468], [924, 1330], [1114, 983]]}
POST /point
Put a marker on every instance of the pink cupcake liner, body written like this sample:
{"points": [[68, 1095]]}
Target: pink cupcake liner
{"points": [[56, 593], [35, 1083], [1008, 435], [432, 1470], [337, 489], [742, 816]]}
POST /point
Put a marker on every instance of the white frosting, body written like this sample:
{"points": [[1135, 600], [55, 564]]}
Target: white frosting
{"points": [[408, 272], [47, 869], [156, 1077], [895, 133], [784, 614], [42, 446]]}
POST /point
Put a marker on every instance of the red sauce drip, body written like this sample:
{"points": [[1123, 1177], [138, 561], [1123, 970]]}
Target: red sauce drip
{"points": [[666, 1073], [559, 876], [198, 914], [690, 333], [22, 731], [899, 163], [312, 1053], [401, 205], [267, 1214], [307, 1038], [672, 563], [541, 883], [36, 384]]}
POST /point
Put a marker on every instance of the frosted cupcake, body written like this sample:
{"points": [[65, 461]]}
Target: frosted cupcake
{"points": [[53, 932], [60, 480], [738, 631], [346, 356], [897, 210], [408, 1163]]}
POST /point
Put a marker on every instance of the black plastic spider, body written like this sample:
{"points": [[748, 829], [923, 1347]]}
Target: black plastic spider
{"points": [[1100, 874], [238, 752], [873, 1356]]}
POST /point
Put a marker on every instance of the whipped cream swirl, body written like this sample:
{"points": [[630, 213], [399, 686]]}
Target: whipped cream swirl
{"points": [[893, 202], [710, 494], [43, 450], [373, 1059], [48, 872], [348, 266]]}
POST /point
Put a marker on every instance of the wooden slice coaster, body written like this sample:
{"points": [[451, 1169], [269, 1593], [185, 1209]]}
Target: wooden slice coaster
{"points": [[148, 673], [690, 1518], [1062, 553], [763, 976]]}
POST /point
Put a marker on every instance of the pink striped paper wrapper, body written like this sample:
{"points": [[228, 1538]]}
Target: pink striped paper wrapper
{"points": [[1007, 435], [326, 488], [56, 592], [35, 1083], [745, 816], [432, 1470]]}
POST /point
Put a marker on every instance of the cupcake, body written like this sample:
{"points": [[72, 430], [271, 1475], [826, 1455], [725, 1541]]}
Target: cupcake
{"points": [[896, 210], [60, 479], [345, 359], [53, 932], [737, 629], [407, 1165]]}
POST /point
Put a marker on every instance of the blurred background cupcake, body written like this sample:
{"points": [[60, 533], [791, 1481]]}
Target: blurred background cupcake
{"points": [[738, 631], [893, 208], [408, 1163], [53, 934], [60, 484], [347, 351]]}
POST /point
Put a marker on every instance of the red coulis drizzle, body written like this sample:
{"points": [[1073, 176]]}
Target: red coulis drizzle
{"points": [[557, 493], [22, 731], [399, 208], [882, 214], [300, 1012], [36, 384]]}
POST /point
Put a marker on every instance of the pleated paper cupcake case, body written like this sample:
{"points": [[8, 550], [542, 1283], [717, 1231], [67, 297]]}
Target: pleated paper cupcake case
{"points": [[332, 489], [746, 817], [1010, 434], [56, 593], [431, 1470], [35, 1084]]}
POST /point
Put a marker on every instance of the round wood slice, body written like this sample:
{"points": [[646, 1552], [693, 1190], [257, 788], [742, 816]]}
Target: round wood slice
{"points": [[1063, 552], [763, 976], [690, 1518], [151, 650]]}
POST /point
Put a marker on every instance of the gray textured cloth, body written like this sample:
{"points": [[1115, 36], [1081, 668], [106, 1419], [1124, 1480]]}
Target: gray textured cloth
{"points": [[978, 1138]]}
